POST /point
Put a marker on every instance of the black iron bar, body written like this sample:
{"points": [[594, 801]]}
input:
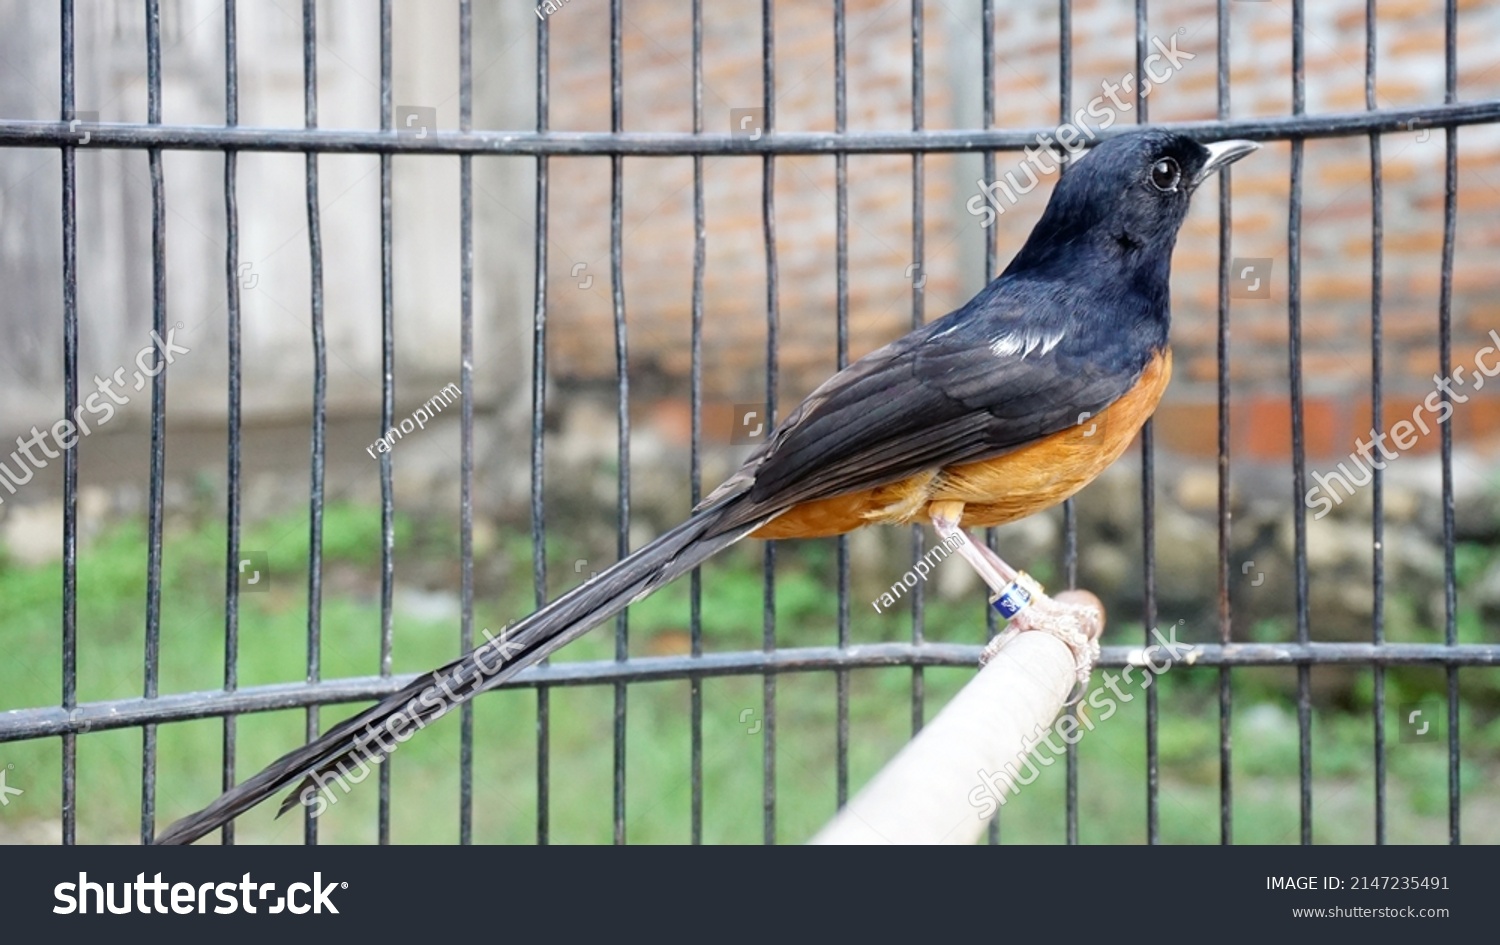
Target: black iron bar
{"points": [[1299, 445], [538, 437], [622, 369], [320, 388], [233, 420], [1445, 369], [918, 316], [387, 409], [158, 419], [700, 258], [466, 416], [17, 133], [841, 262], [1377, 420], [50, 721], [1148, 514], [1070, 511], [1226, 624], [773, 324], [69, 799]]}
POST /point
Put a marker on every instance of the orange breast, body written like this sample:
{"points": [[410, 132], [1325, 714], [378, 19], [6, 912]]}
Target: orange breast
{"points": [[994, 491]]}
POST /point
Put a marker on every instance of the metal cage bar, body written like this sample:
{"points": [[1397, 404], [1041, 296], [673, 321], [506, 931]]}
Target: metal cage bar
{"points": [[918, 316], [773, 325], [1148, 513], [1445, 368], [54, 721], [841, 262], [1070, 510], [129, 135], [1299, 443], [538, 431], [69, 812], [466, 417], [158, 419], [991, 262], [1226, 214], [387, 409], [695, 472], [622, 369], [1377, 414], [233, 419]]}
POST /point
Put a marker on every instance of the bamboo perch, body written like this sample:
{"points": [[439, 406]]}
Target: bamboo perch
{"points": [[926, 793]]}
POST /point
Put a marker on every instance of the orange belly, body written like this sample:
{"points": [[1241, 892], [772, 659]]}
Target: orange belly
{"points": [[993, 491]]}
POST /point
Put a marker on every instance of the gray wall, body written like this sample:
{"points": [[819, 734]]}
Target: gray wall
{"points": [[114, 214]]}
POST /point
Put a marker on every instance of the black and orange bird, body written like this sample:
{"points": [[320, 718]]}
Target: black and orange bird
{"points": [[1002, 408]]}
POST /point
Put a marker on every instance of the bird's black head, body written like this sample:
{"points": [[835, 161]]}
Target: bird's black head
{"points": [[1118, 208]]}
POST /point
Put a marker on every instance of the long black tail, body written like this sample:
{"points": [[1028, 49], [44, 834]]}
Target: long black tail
{"points": [[371, 735]]}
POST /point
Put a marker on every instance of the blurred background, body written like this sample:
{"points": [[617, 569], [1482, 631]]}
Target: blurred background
{"points": [[581, 469]]}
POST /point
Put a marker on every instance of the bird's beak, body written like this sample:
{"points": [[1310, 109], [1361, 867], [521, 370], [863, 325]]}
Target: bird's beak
{"points": [[1221, 154]]}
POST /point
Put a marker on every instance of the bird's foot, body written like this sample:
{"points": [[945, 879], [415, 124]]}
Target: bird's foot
{"points": [[1077, 623]]}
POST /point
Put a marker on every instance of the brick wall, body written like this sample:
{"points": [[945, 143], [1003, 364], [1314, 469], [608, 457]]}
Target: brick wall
{"points": [[1336, 195]]}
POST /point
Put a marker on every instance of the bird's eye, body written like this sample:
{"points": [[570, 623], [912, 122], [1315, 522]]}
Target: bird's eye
{"points": [[1165, 174]]}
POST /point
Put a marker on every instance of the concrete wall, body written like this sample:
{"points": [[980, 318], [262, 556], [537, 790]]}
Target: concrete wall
{"points": [[114, 214]]}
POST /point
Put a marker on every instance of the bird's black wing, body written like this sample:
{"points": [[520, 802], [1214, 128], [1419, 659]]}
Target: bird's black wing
{"points": [[971, 386]]}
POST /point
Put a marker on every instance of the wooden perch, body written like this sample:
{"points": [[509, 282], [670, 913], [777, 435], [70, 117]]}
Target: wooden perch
{"points": [[926, 794]]}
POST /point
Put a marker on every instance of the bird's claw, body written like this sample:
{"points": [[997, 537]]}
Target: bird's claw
{"points": [[1078, 627]]}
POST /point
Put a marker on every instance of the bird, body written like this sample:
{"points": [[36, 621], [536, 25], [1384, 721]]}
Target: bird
{"points": [[1004, 407]]}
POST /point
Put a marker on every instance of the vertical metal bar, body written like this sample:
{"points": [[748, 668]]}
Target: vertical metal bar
{"points": [[1141, 48], [1148, 566], [320, 387], [1148, 513], [538, 442], [1445, 348], [987, 105], [918, 315], [773, 319], [987, 70], [1377, 414], [158, 418], [700, 257], [1226, 683], [1069, 509], [1070, 513], [622, 365], [466, 417], [232, 332], [1299, 457], [387, 409], [841, 239], [68, 812]]}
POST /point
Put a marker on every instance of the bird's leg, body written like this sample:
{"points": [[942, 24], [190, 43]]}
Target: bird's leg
{"points": [[994, 572], [1019, 598]]}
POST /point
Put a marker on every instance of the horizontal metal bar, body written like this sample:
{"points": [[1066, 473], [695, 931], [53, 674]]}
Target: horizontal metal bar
{"points": [[242, 138], [20, 724]]}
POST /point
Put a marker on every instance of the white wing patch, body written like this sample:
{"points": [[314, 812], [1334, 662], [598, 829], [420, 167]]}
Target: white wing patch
{"points": [[1024, 343]]}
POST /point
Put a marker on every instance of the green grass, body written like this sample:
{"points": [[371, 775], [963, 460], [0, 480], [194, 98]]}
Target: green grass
{"points": [[424, 773]]}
